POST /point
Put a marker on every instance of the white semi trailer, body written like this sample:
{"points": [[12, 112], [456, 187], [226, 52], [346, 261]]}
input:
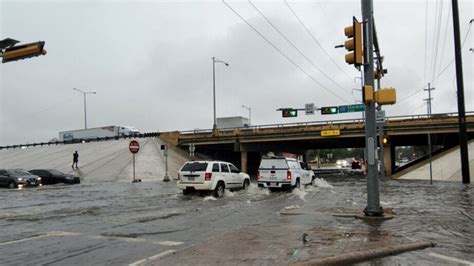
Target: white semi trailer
{"points": [[97, 132]]}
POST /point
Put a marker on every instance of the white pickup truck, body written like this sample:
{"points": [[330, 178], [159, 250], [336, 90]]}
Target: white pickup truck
{"points": [[282, 172]]}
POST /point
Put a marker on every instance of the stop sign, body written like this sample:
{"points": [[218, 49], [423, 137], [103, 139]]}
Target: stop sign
{"points": [[134, 146]]}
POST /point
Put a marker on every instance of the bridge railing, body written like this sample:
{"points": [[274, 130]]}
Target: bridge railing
{"points": [[321, 123]]}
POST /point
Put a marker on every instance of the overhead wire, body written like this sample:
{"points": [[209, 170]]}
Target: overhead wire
{"points": [[462, 46], [409, 96], [437, 29], [295, 47], [283, 54], [444, 41], [314, 38], [426, 40]]}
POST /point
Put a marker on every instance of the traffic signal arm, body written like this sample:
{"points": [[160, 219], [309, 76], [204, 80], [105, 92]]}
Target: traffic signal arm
{"points": [[23, 51]]}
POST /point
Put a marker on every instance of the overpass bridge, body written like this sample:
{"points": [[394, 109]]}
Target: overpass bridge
{"points": [[246, 144]]}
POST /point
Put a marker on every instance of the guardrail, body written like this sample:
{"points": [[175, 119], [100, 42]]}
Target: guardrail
{"points": [[249, 128], [325, 122], [74, 141]]}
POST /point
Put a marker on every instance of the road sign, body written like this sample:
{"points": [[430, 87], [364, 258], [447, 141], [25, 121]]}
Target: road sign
{"points": [[309, 108], [380, 116], [327, 133], [134, 146], [351, 108]]}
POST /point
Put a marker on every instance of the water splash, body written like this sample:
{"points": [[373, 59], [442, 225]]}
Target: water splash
{"points": [[229, 193], [253, 189], [207, 198], [320, 182], [300, 193]]}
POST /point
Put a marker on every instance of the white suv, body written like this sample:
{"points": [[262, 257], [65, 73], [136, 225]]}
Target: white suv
{"points": [[213, 176], [283, 172]]}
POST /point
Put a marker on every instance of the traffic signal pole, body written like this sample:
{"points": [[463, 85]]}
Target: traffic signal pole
{"points": [[373, 200]]}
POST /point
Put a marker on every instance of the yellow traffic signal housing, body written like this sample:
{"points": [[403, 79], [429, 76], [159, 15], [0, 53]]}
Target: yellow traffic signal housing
{"points": [[386, 96], [354, 33], [368, 94], [19, 52]]}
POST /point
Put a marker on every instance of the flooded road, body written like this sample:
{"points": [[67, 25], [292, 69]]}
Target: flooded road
{"points": [[120, 223]]}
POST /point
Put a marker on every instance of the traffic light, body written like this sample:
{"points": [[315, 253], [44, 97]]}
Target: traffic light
{"points": [[330, 110], [354, 44], [24, 51], [289, 112], [385, 140], [368, 94], [386, 96]]}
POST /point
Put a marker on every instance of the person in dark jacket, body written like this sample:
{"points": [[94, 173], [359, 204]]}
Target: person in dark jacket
{"points": [[75, 159]]}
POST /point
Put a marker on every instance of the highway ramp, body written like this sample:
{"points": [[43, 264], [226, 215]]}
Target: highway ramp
{"points": [[445, 166], [99, 161]]}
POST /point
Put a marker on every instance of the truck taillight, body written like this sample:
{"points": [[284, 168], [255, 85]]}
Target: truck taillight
{"points": [[179, 176], [288, 175], [207, 176], [258, 175]]}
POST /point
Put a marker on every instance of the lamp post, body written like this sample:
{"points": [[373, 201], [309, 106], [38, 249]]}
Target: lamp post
{"points": [[85, 112], [214, 61], [250, 113]]}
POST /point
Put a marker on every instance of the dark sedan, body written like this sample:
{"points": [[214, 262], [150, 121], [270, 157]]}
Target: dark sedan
{"points": [[14, 178], [51, 176]]}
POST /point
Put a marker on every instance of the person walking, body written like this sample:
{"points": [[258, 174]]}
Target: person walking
{"points": [[75, 159]]}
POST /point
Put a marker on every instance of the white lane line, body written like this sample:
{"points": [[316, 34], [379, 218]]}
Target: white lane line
{"points": [[169, 243], [436, 255], [157, 256], [38, 237]]}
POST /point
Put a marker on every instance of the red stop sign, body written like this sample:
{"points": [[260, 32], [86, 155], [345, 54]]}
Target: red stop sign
{"points": [[134, 146]]}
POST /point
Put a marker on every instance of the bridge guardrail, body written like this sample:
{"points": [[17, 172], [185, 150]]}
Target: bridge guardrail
{"points": [[75, 141]]}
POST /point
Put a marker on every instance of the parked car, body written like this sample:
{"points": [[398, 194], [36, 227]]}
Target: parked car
{"points": [[215, 176], [282, 172], [51, 176], [356, 164], [14, 178]]}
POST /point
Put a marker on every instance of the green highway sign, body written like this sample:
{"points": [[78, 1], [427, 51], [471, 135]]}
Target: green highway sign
{"points": [[351, 108]]}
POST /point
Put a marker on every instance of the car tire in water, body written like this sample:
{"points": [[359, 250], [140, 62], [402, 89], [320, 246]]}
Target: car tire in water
{"points": [[12, 185], [246, 184], [297, 184], [219, 191]]}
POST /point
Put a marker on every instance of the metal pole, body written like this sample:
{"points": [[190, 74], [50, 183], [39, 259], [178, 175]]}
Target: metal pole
{"points": [[166, 178], [134, 167], [85, 111], [428, 105], [466, 179], [380, 129], [214, 127], [373, 201]]}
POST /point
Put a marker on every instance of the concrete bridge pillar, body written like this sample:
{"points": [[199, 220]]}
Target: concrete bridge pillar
{"points": [[389, 158], [243, 161]]}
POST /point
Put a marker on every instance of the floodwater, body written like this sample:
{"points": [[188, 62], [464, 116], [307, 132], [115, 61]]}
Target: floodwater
{"points": [[120, 223]]}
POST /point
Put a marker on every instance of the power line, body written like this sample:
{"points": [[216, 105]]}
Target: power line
{"points": [[462, 45], [409, 96], [314, 38], [294, 46], [281, 53], [426, 39], [445, 37], [437, 35]]}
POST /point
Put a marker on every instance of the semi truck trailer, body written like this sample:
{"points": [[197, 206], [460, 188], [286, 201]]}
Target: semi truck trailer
{"points": [[97, 132]]}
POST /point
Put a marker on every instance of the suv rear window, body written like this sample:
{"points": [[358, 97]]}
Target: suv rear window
{"points": [[194, 167], [273, 164]]}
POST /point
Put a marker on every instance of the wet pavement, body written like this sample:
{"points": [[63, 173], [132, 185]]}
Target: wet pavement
{"points": [[120, 223]]}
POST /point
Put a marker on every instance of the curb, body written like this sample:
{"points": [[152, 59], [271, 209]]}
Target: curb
{"points": [[360, 256]]}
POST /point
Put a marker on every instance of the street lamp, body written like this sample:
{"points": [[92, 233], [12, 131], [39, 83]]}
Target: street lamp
{"points": [[250, 113], [85, 112], [214, 61]]}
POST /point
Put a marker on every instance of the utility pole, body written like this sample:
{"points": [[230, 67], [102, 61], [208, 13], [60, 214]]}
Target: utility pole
{"points": [[428, 105], [373, 200], [466, 179]]}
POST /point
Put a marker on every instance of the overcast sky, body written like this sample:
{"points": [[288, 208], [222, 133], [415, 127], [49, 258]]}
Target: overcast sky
{"points": [[150, 62]]}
